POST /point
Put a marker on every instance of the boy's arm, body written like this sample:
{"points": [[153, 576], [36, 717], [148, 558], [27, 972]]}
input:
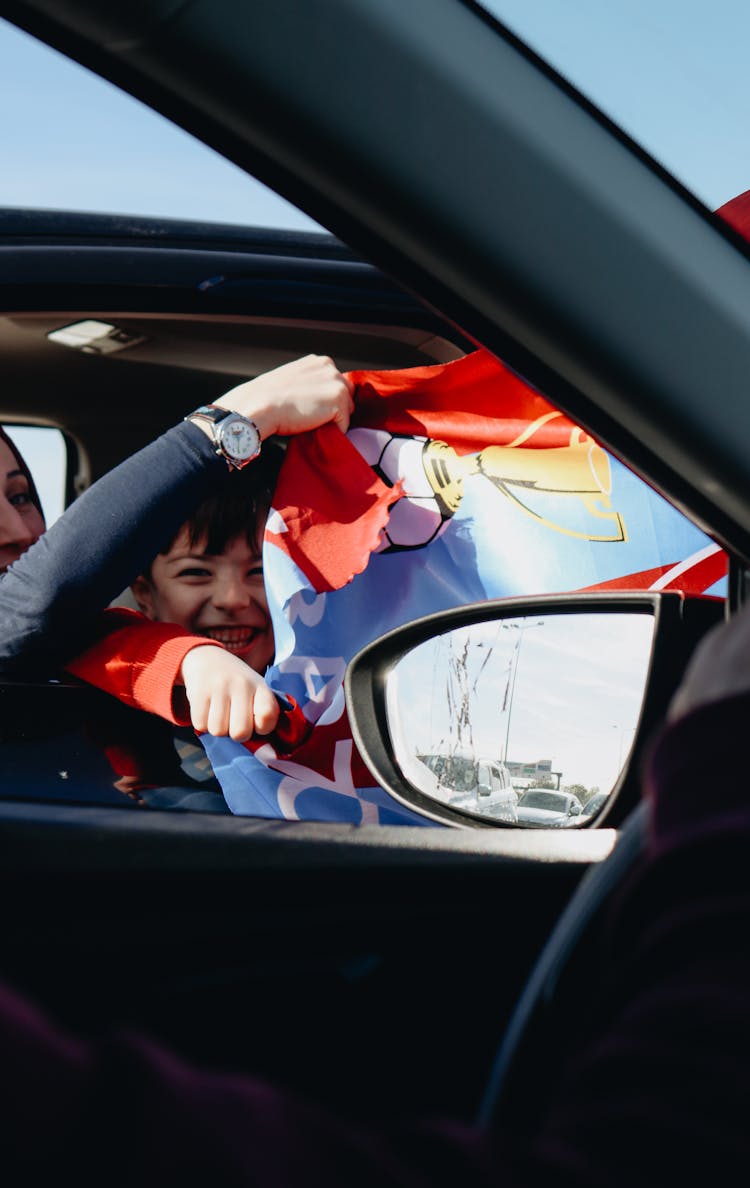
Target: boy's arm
{"points": [[50, 597], [188, 680], [140, 663]]}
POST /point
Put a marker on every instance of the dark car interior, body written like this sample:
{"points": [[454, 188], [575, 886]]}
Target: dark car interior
{"points": [[194, 927]]}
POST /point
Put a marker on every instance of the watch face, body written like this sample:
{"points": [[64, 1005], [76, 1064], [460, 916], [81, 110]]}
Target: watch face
{"points": [[239, 439]]}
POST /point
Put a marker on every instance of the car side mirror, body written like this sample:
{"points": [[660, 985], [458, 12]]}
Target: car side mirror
{"points": [[560, 693]]}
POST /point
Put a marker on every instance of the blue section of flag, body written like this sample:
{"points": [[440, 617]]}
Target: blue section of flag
{"points": [[496, 545]]}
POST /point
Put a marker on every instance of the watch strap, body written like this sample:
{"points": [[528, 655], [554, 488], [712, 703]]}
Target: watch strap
{"points": [[210, 412]]}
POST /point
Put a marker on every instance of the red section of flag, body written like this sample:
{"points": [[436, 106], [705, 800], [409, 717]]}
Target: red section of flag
{"points": [[630, 581], [471, 403], [693, 578], [332, 503]]}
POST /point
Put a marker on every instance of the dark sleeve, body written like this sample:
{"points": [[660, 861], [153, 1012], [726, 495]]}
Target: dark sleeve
{"points": [[51, 596]]}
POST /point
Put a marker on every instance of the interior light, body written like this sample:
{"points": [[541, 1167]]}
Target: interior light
{"points": [[94, 338]]}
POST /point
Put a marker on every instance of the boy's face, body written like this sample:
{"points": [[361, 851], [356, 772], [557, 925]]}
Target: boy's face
{"points": [[222, 597]]}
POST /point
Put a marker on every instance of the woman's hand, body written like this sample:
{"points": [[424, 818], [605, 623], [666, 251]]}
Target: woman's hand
{"points": [[226, 696], [295, 397]]}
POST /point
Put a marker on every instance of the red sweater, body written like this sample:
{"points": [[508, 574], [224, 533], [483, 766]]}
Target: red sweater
{"points": [[139, 662]]}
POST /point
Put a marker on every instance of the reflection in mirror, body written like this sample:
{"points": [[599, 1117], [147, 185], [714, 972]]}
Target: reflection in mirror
{"points": [[526, 721]]}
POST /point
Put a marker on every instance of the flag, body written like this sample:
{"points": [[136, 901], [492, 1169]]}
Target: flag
{"points": [[455, 483]]}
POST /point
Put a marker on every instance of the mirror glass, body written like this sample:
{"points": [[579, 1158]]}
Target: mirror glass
{"points": [[526, 721]]}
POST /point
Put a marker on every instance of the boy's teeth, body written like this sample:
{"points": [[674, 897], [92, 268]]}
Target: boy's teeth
{"points": [[231, 636]]}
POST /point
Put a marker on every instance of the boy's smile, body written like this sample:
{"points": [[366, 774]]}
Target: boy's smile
{"points": [[220, 596]]}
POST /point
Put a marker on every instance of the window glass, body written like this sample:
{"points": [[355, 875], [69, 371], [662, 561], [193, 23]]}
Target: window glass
{"points": [[672, 75], [71, 141], [45, 453], [568, 516]]}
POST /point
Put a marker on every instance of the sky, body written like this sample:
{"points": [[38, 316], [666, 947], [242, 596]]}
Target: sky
{"points": [[71, 141], [671, 72], [44, 451]]}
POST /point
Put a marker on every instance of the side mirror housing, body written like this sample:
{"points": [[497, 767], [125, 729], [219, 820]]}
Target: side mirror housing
{"points": [[569, 684]]}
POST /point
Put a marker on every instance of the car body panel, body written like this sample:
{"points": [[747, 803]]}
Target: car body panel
{"points": [[540, 808]]}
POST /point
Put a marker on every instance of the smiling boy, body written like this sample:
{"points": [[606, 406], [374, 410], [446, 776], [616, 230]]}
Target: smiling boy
{"points": [[209, 578], [204, 589], [216, 594], [196, 650]]}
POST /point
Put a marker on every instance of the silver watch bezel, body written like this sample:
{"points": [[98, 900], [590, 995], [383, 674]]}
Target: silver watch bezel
{"points": [[220, 419], [221, 430]]}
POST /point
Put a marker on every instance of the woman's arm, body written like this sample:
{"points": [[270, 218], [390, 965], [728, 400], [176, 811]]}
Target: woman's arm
{"points": [[49, 598]]}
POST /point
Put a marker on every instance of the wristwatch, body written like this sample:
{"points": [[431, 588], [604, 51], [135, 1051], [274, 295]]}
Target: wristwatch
{"points": [[237, 438]]}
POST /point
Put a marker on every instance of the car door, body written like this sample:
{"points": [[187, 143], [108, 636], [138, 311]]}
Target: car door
{"points": [[440, 149]]}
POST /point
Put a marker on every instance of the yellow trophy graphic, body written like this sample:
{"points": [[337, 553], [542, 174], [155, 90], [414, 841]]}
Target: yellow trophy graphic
{"points": [[433, 477]]}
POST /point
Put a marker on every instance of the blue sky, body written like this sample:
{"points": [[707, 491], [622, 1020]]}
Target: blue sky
{"points": [[70, 141]]}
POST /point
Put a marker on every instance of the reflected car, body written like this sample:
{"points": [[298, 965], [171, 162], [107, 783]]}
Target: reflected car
{"points": [[494, 795], [547, 808], [473, 785], [594, 804]]}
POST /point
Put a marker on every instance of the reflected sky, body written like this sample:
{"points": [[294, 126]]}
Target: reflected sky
{"points": [[567, 688]]}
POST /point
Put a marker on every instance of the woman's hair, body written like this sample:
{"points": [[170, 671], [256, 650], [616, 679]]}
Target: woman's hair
{"points": [[33, 493]]}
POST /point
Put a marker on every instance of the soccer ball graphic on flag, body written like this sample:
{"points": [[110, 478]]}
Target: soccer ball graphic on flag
{"points": [[432, 480]]}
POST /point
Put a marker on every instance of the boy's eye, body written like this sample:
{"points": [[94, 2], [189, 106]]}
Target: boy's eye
{"points": [[256, 571], [196, 571]]}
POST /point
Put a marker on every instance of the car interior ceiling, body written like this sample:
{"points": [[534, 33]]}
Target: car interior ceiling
{"points": [[173, 364]]}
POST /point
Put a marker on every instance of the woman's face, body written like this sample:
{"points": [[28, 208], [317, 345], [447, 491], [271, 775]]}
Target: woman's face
{"points": [[21, 522]]}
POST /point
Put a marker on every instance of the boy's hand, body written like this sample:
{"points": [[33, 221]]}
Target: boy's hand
{"points": [[298, 396], [226, 696]]}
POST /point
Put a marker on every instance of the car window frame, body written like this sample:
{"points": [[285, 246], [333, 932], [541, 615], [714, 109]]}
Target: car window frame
{"points": [[494, 271]]}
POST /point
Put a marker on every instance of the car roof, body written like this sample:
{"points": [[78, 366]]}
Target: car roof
{"points": [[206, 305]]}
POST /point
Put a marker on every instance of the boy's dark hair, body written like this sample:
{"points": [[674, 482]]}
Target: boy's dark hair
{"points": [[235, 510]]}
